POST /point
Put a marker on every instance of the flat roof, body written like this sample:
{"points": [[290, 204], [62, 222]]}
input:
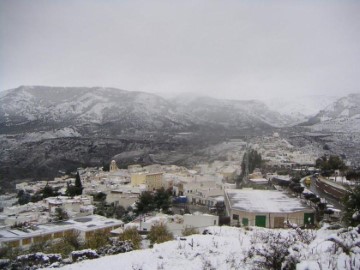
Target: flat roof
{"points": [[263, 201], [86, 223]]}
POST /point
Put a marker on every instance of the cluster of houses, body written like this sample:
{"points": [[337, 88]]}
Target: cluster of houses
{"points": [[277, 151], [205, 184]]}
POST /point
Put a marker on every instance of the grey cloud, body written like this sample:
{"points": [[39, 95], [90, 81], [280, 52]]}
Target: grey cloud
{"points": [[231, 49]]}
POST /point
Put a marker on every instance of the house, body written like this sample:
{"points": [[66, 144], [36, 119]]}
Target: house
{"points": [[76, 206], [229, 173], [84, 226], [176, 223], [123, 197], [152, 181], [265, 208]]}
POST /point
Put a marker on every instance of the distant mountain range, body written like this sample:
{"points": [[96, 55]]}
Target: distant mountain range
{"points": [[44, 130], [110, 112], [35, 108]]}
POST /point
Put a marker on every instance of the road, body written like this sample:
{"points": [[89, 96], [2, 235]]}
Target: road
{"points": [[328, 198]]}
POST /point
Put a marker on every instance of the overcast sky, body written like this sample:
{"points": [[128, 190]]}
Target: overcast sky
{"points": [[228, 49]]}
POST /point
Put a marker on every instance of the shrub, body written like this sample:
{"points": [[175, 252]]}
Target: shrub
{"points": [[96, 241], [159, 234], [83, 255], [131, 234], [189, 231]]}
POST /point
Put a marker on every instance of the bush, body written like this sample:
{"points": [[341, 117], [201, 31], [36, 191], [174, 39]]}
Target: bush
{"points": [[41, 246], [85, 254], [159, 234], [96, 241], [115, 247], [131, 234], [352, 207], [35, 261], [8, 252], [73, 239], [189, 231]]}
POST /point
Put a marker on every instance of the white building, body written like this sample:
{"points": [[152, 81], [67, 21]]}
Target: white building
{"points": [[177, 223], [265, 208]]}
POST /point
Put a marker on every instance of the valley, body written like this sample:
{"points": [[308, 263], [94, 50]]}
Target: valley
{"points": [[48, 131]]}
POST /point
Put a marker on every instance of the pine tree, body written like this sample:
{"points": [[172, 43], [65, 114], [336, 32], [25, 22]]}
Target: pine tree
{"points": [[78, 184]]}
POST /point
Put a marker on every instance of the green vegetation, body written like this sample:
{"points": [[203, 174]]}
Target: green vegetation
{"points": [[96, 241], [47, 191], [255, 160], [352, 207], [9, 252], [23, 197], [252, 159], [99, 197], [74, 190], [353, 175], [131, 234], [189, 231], [60, 214], [113, 211], [329, 164], [159, 234], [149, 201]]}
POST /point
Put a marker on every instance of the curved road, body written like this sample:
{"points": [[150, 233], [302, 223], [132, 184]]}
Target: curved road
{"points": [[328, 198]]}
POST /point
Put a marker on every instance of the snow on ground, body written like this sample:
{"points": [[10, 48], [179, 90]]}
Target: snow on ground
{"points": [[44, 135], [240, 248]]}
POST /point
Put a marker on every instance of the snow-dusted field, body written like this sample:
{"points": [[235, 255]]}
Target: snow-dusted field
{"points": [[238, 248]]}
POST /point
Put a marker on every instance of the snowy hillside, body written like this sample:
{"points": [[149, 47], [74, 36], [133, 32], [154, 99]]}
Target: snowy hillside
{"points": [[45, 106], [230, 113], [340, 116], [299, 109], [239, 248]]}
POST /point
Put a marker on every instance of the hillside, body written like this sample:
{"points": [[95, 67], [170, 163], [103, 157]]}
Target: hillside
{"points": [[43, 108], [47, 130], [341, 116], [44, 130], [300, 109], [239, 248], [33, 108]]}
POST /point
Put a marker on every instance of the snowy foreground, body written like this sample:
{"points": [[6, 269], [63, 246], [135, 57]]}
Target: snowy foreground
{"points": [[239, 248]]}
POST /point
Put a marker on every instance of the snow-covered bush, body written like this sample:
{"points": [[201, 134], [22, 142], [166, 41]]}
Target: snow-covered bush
{"points": [[34, 261], [84, 254], [159, 233], [269, 250], [115, 247], [131, 234]]}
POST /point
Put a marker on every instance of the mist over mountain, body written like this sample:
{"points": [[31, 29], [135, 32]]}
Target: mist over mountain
{"points": [[300, 109], [47, 130], [342, 115], [44, 108]]}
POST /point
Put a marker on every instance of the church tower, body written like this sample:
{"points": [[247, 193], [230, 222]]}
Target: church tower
{"points": [[113, 166]]}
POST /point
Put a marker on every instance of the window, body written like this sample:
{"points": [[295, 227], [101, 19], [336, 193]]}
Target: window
{"points": [[236, 217]]}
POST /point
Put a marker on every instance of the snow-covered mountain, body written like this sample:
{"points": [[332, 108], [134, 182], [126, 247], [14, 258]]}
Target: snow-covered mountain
{"points": [[43, 108], [230, 113], [300, 109], [341, 116], [242, 248], [32, 106], [49, 129]]}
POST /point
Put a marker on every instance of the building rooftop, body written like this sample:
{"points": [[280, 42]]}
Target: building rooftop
{"points": [[263, 201], [86, 223]]}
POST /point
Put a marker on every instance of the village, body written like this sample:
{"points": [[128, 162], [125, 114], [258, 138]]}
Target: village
{"points": [[109, 201]]}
